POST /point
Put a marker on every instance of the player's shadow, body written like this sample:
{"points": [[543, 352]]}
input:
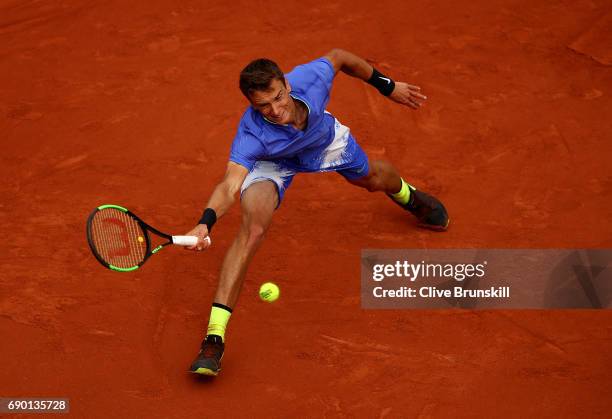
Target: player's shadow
{"points": [[201, 380], [402, 217]]}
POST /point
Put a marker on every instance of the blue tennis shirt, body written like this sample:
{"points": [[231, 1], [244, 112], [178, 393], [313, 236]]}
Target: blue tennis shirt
{"points": [[258, 139]]}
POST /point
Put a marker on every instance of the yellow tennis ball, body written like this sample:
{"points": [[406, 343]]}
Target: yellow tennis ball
{"points": [[140, 239], [269, 292]]}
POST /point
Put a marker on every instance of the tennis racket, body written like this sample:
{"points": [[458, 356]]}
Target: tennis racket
{"points": [[123, 242]]}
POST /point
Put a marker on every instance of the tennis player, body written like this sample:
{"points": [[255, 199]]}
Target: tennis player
{"points": [[286, 130]]}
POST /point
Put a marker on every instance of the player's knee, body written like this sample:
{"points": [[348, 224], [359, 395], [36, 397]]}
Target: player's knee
{"points": [[255, 234], [374, 184], [370, 183]]}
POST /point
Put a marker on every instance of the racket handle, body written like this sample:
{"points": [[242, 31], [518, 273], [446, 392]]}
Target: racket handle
{"points": [[188, 240]]}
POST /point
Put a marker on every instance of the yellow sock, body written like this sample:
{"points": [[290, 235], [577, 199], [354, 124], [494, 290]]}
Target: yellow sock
{"points": [[403, 196], [219, 316]]}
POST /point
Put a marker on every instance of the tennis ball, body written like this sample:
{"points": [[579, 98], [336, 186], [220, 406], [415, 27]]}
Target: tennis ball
{"points": [[269, 292], [140, 239]]}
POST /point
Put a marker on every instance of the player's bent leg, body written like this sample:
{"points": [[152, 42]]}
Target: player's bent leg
{"points": [[382, 176], [428, 210], [258, 203]]}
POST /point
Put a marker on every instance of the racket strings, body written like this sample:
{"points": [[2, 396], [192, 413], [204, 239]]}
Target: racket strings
{"points": [[118, 238]]}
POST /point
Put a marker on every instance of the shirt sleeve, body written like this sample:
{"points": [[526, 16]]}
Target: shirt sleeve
{"points": [[325, 72], [316, 79], [246, 148]]}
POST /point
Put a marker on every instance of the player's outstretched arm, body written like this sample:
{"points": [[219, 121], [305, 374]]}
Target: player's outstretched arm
{"points": [[222, 198], [355, 66]]}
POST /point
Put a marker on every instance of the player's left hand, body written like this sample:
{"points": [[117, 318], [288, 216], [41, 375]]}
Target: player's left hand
{"points": [[407, 94]]}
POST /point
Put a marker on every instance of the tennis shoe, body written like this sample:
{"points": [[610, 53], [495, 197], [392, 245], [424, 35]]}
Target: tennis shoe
{"points": [[208, 361], [428, 210]]}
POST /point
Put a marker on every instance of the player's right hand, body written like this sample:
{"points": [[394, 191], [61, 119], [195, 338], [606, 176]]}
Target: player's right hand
{"points": [[201, 231]]}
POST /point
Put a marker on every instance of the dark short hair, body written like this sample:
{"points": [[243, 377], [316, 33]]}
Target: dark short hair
{"points": [[258, 75]]}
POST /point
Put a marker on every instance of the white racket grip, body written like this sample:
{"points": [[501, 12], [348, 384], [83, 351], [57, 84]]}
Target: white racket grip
{"points": [[188, 240]]}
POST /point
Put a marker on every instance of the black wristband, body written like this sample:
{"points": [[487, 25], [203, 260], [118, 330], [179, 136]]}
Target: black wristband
{"points": [[384, 84], [209, 217]]}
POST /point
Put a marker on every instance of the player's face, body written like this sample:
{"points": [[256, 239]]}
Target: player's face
{"points": [[275, 103]]}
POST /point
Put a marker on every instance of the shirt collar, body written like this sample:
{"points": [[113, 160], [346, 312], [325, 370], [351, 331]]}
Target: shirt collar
{"points": [[293, 95]]}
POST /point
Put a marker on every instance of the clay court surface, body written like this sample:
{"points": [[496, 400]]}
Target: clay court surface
{"points": [[136, 103]]}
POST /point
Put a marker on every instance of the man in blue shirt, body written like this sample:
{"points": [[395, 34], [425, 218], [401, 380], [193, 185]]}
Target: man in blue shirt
{"points": [[284, 131]]}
